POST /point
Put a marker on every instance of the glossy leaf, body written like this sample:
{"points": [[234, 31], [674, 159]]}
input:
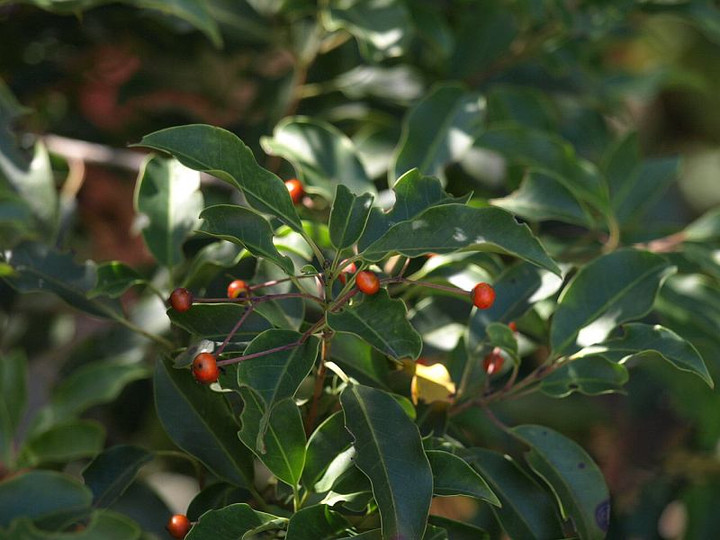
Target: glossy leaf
{"points": [[453, 476], [13, 399], [527, 510], [481, 229], [40, 494], [201, 423], [209, 261], [572, 475], [113, 279], [112, 472], [220, 153], [40, 268], [390, 453], [322, 155], [318, 522], [458, 530], [591, 375], [439, 130], [608, 291], [325, 456], [244, 227], [63, 442], [348, 217], [103, 524], [168, 201], [281, 447], [231, 523], [647, 342], [215, 321], [382, 322]]}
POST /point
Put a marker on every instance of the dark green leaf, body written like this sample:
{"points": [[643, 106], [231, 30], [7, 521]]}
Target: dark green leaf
{"points": [[652, 179], [317, 522], [41, 494], [439, 130], [390, 453], [323, 156], [480, 229], [382, 322], [40, 268], [215, 496], [522, 105], [326, 456], [453, 476], [646, 342], [281, 446], [103, 524], [500, 335], [220, 153], [143, 505], [608, 291], [209, 261], [113, 279], [13, 399], [216, 321], [200, 422], [572, 475], [348, 217], [231, 523], [246, 228], [63, 442], [458, 530], [112, 472], [527, 510], [590, 375], [359, 360], [195, 12], [168, 200]]}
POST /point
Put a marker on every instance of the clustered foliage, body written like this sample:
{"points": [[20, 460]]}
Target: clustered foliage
{"points": [[380, 316]]}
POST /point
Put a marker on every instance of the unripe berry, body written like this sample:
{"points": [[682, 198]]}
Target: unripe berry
{"points": [[181, 299], [296, 190], [178, 526], [237, 288], [483, 296], [493, 362], [205, 369], [367, 282]]}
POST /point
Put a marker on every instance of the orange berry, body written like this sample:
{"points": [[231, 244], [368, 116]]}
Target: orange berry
{"points": [[205, 368], [483, 295], [181, 299], [237, 288], [367, 282], [178, 526], [349, 269], [296, 189], [513, 326], [493, 362]]}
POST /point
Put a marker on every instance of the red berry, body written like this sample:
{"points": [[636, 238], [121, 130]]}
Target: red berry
{"points": [[483, 295], [205, 369], [237, 288], [493, 362], [181, 299], [367, 282], [178, 526], [349, 269], [513, 326], [296, 189]]}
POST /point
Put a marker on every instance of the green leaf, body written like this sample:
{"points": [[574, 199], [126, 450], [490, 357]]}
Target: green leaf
{"points": [[41, 494], [439, 130], [326, 456], [390, 453], [220, 153], [323, 156], [112, 472], [382, 28], [277, 376], [64, 442], [103, 524], [458, 530], [527, 510], [573, 476], [542, 197], [195, 12], [281, 447], [706, 228], [200, 422], [244, 227], [231, 523], [113, 279], [590, 375], [500, 335], [479, 229], [215, 496], [382, 322], [608, 291], [453, 476], [168, 201], [13, 399], [348, 217], [209, 261], [521, 105], [358, 359], [318, 522], [40, 268], [653, 342], [216, 321]]}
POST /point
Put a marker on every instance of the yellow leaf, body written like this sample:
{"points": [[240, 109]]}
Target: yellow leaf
{"points": [[432, 383]]}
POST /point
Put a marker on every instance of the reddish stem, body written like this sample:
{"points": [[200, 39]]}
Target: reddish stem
{"points": [[235, 329], [278, 281], [400, 279]]}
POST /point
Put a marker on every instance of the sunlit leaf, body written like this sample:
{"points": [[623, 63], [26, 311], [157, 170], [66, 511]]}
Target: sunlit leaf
{"points": [[326, 454], [432, 383], [113, 279], [348, 217], [591, 375]]}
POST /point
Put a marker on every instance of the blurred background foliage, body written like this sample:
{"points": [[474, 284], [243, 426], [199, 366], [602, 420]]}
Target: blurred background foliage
{"points": [[89, 77]]}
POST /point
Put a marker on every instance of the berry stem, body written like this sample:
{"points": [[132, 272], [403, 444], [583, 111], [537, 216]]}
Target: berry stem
{"points": [[262, 298], [278, 281], [319, 382], [427, 284], [237, 326]]}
